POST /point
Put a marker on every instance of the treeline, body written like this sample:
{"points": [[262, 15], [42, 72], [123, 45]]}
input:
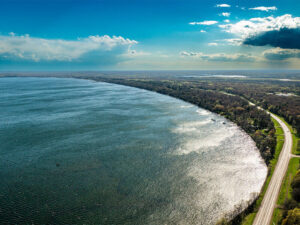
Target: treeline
{"points": [[287, 107], [264, 94], [255, 122]]}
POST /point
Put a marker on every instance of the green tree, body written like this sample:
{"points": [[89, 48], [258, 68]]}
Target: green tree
{"points": [[293, 217]]}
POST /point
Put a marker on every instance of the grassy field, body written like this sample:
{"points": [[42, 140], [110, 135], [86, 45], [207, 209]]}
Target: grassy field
{"points": [[277, 214], [248, 220]]}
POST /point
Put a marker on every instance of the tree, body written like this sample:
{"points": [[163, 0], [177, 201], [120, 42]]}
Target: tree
{"points": [[296, 187], [293, 217]]}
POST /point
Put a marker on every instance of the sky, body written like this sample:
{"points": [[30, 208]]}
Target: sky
{"points": [[149, 34]]}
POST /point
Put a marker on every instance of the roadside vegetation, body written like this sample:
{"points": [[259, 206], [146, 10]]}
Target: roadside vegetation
{"points": [[288, 203], [295, 137]]}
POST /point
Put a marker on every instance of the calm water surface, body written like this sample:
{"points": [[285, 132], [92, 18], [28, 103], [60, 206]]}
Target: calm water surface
{"points": [[80, 152]]}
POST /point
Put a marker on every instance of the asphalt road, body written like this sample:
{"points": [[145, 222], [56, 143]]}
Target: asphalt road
{"points": [[264, 215]]}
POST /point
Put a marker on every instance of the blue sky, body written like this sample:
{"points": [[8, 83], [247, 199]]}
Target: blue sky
{"points": [[149, 34]]}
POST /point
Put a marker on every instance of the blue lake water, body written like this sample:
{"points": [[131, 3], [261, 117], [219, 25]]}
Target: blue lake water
{"points": [[82, 152]]}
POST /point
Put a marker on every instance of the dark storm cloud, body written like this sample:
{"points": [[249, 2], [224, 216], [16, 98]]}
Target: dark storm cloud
{"points": [[283, 38]]}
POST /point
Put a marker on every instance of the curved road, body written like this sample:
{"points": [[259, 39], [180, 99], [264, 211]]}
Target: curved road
{"points": [[264, 215]]}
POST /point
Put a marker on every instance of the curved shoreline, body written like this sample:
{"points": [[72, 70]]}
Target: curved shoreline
{"points": [[236, 212], [182, 99]]}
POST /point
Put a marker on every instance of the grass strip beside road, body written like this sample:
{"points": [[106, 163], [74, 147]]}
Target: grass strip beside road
{"points": [[286, 190], [295, 137]]}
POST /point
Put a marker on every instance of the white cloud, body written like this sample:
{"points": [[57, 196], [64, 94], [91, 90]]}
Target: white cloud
{"points": [[133, 53], [226, 14], [254, 26], [28, 48], [223, 6], [207, 22], [213, 44], [219, 57], [202, 31], [281, 54], [227, 21], [234, 41], [264, 8]]}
